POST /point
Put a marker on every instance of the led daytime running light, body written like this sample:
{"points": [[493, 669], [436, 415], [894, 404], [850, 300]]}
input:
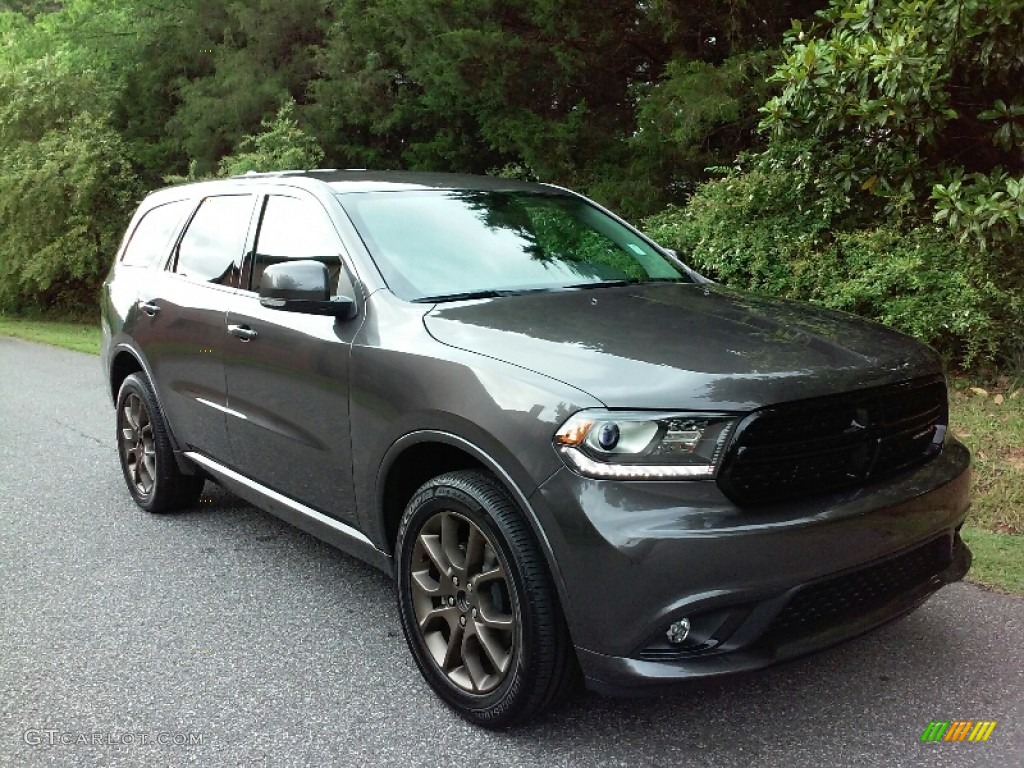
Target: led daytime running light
{"points": [[604, 471]]}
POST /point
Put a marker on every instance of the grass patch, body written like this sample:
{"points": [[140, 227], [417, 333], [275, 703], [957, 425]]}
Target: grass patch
{"points": [[998, 559], [80, 337], [990, 421]]}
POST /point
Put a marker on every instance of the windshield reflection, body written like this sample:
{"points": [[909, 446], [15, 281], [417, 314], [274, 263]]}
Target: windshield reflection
{"points": [[455, 244]]}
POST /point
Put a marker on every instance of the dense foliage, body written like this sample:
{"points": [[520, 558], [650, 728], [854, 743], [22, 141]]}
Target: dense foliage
{"points": [[66, 182], [879, 141], [101, 99], [893, 180]]}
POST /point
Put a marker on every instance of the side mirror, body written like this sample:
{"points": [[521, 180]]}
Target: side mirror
{"points": [[302, 286]]}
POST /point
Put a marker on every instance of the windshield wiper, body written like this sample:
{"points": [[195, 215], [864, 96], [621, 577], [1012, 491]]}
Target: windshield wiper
{"points": [[617, 283], [599, 284], [485, 294]]}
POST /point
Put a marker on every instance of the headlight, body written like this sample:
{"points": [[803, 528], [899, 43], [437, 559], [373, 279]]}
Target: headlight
{"points": [[644, 445]]}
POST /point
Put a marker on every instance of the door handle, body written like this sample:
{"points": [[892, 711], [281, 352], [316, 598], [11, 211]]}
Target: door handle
{"points": [[150, 308], [243, 332]]}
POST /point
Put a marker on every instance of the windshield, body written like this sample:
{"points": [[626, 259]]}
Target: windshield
{"points": [[434, 245]]}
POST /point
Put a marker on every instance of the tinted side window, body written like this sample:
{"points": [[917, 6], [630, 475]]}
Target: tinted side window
{"points": [[295, 229], [150, 241], [211, 248]]}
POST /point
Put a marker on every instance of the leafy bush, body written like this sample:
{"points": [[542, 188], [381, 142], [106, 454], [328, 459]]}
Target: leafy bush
{"points": [[64, 201], [899, 95], [891, 185], [988, 208], [67, 186], [757, 230]]}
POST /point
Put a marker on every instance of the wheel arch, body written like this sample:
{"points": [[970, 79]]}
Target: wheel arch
{"points": [[392, 486], [126, 360], [123, 363]]}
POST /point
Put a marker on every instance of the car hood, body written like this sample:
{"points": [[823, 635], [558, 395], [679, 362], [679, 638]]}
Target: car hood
{"points": [[684, 346]]}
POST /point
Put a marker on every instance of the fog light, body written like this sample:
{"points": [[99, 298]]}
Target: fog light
{"points": [[678, 631]]}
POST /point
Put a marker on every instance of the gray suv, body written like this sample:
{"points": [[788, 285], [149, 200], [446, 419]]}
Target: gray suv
{"points": [[576, 456]]}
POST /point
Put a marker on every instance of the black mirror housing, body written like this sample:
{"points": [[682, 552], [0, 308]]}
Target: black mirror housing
{"points": [[301, 279], [302, 286]]}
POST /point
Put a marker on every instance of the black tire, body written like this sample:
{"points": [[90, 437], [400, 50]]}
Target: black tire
{"points": [[144, 448], [536, 666]]}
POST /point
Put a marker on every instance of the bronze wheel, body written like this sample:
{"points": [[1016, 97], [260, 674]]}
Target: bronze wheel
{"points": [[137, 449], [477, 604], [147, 458], [463, 601]]}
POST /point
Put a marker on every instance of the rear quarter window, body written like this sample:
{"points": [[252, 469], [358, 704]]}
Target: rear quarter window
{"points": [[151, 240]]}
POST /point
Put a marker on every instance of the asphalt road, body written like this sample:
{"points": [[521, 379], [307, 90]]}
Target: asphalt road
{"points": [[122, 633]]}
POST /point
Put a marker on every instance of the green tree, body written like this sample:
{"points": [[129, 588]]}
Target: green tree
{"points": [[282, 145], [64, 200], [67, 186], [554, 87], [257, 56]]}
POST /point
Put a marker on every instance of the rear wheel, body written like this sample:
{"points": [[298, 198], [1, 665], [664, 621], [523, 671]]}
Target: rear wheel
{"points": [[477, 605], [144, 447]]}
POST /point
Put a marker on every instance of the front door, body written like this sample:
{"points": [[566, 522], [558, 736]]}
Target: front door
{"points": [[287, 373]]}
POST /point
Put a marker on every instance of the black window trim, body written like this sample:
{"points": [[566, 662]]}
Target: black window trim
{"points": [[295, 193], [171, 265], [157, 264]]}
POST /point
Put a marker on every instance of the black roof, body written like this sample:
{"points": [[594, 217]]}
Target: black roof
{"points": [[362, 180], [354, 180]]}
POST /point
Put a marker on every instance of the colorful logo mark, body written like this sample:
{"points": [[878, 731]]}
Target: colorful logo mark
{"points": [[958, 730]]}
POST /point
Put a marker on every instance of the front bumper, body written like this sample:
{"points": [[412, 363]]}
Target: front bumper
{"points": [[759, 585]]}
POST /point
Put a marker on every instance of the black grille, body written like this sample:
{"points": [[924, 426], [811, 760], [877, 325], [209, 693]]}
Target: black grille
{"points": [[834, 443], [847, 597]]}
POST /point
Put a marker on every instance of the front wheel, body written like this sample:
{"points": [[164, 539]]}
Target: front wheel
{"points": [[147, 458], [477, 605]]}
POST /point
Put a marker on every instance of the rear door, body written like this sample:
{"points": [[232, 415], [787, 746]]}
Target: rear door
{"points": [[181, 327], [288, 382]]}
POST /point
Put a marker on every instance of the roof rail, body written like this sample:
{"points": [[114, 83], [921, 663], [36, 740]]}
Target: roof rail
{"points": [[289, 172]]}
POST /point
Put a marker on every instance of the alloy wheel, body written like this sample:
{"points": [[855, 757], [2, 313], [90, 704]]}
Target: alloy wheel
{"points": [[464, 602], [137, 444]]}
